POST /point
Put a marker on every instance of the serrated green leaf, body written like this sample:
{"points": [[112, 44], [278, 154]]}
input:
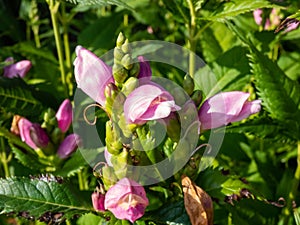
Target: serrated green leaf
{"points": [[262, 127], [279, 93], [233, 8], [16, 97], [37, 197], [102, 3], [25, 158]]}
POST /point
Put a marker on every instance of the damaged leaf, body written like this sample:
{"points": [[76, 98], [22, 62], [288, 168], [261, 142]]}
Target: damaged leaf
{"points": [[198, 203]]}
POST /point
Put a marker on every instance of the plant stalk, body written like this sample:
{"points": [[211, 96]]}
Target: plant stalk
{"points": [[192, 41], [293, 192], [4, 159], [53, 7]]}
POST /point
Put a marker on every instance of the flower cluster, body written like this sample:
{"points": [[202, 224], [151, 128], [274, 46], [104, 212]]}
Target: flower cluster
{"points": [[273, 20], [50, 134], [136, 106]]}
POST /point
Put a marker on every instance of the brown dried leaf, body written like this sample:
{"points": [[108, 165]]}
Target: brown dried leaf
{"points": [[198, 203]]}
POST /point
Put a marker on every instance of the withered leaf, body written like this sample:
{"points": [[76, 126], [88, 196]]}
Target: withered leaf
{"points": [[197, 202]]}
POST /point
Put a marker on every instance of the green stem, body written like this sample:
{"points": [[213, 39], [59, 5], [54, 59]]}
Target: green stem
{"points": [[192, 41], [65, 22], [53, 7], [294, 189], [4, 159], [82, 181], [35, 30]]}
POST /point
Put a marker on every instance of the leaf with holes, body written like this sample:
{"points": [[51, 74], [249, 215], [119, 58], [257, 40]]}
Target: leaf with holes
{"points": [[39, 198]]}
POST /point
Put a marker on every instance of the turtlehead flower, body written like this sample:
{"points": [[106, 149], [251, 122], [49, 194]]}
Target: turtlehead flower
{"points": [[271, 22], [32, 134], [98, 201], [68, 146], [92, 74], [224, 108], [64, 115], [145, 69], [148, 102], [126, 200], [20, 68]]}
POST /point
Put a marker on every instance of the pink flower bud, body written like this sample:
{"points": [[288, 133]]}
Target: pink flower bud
{"points": [[226, 107], [126, 200], [39, 135], [68, 146], [145, 69], [20, 68], [32, 134], [98, 201], [92, 74], [64, 115], [148, 102]]}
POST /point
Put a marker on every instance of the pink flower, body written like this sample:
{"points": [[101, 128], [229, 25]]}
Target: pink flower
{"points": [[126, 200], [64, 115], [257, 14], [226, 107], [92, 74], [98, 201], [148, 102], [145, 69], [68, 146], [20, 68], [32, 134]]}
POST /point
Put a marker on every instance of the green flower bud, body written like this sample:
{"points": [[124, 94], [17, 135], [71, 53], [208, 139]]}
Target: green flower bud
{"points": [[197, 97], [111, 91], [49, 117], [120, 163], [120, 73], [134, 72], [118, 54], [127, 62], [125, 47], [113, 141], [130, 84], [188, 84], [127, 132], [120, 39]]}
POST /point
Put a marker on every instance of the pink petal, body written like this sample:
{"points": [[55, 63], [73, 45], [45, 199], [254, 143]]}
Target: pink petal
{"points": [[126, 200], [223, 108], [24, 128], [20, 68], [64, 115], [148, 102], [92, 74], [145, 69], [257, 14], [68, 146]]}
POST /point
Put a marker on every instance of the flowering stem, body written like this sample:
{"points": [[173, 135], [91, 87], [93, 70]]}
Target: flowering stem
{"points": [[294, 189], [192, 40], [53, 7]]}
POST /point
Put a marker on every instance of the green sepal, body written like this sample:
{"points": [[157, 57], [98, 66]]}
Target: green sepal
{"points": [[188, 84], [108, 177]]}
